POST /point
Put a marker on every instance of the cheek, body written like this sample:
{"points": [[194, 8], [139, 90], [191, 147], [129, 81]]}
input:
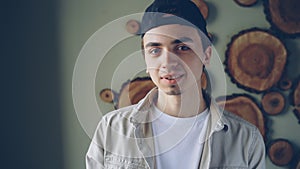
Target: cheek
{"points": [[154, 76], [195, 66], [153, 72], [198, 55], [151, 64]]}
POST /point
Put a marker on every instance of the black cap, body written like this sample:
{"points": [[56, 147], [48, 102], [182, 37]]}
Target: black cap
{"points": [[164, 12]]}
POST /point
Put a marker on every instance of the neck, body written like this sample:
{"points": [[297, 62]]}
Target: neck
{"points": [[189, 103]]}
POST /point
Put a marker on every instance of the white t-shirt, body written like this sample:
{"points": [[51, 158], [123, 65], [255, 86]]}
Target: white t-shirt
{"points": [[179, 141]]}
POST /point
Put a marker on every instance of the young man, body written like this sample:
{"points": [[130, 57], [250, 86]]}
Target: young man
{"points": [[177, 125]]}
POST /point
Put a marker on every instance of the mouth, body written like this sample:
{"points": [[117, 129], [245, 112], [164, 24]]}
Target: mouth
{"points": [[171, 79]]}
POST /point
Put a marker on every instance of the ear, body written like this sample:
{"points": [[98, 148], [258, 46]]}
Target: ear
{"points": [[207, 55]]}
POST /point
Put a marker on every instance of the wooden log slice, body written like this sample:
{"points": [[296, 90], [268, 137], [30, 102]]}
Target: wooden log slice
{"points": [[204, 80], [285, 83], [296, 99], [107, 95], [133, 27], [202, 7], [296, 96], [246, 3], [133, 91], [284, 16], [245, 107], [255, 59], [273, 103], [281, 152]]}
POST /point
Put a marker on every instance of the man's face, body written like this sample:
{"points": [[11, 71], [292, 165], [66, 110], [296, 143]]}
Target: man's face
{"points": [[174, 57]]}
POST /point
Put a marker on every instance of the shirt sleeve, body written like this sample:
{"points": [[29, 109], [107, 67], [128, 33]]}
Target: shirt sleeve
{"points": [[257, 152], [95, 154]]}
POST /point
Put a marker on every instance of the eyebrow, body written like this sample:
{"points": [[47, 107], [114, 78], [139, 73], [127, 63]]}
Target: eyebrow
{"points": [[176, 41], [182, 40], [151, 44]]}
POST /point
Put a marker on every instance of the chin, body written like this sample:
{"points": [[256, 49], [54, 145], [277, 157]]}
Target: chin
{"points": [[173, 90]]}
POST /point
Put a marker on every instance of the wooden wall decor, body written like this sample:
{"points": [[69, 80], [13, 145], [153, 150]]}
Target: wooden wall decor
{"points": [[281, 152], [202, 7], [255, 59], [205, 83], [246, 3], [273, 102], [283, 16], [296, 99], [107, 95], [285, 83], [133, 27], [133, 91], [244, 106]]}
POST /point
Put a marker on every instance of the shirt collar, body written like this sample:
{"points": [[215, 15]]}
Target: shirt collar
{"points": [[141, 111]]}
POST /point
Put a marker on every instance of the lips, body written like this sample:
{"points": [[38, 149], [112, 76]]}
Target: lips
{"points": [[168, 77], [171, 79]]}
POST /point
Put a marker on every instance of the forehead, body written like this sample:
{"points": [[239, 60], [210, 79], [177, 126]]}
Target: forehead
{"points": [[174, 31]]}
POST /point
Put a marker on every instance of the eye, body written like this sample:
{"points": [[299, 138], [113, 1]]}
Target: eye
{"points": [[154, 51], [183, 48]]}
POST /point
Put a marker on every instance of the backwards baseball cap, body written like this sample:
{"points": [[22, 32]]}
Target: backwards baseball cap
{"points": [[165, 12]]}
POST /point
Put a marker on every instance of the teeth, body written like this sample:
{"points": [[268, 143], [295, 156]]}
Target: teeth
{"points": [[171, 78]]}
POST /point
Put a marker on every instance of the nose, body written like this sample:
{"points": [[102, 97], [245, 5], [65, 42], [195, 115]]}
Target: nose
{"points": [[169, 60]]}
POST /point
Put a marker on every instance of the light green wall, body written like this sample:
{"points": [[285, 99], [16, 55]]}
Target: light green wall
{"points": [[81, 19]]}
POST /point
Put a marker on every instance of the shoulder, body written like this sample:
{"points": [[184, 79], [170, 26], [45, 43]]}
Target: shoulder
{"points": [[238, 130], [249, 137], [239, 127], [117, 121], [121, 115], [239, 138], [235, 121]]}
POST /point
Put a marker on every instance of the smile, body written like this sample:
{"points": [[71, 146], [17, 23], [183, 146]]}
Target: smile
{"points": [[171, 79]]}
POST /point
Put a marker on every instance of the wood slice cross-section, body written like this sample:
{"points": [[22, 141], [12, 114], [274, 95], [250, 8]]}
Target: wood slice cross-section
{"points": [[284, 16], [202, 7], [255, 59], [246, 3], [107, 95], [205, 81], [133, 27], [296, 96], [273, 103], [133, 91], [245, 107], [296, 99], [281, 152], [285, 83]]}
